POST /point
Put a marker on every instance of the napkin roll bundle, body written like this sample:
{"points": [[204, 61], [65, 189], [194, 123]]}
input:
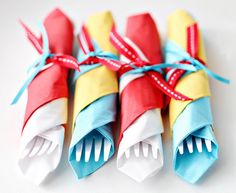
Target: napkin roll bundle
{"points": [[95, 99], [190, 118], [46, 110], [141, 103]]}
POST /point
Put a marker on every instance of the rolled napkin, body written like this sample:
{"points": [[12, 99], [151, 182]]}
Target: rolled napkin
{"points": [[46, 111], [140, 153], [194, 145], [95, 97]]}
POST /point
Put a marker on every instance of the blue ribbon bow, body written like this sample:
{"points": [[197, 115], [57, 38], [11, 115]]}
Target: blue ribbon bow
{"points": [[38, 64], [175, 53]]}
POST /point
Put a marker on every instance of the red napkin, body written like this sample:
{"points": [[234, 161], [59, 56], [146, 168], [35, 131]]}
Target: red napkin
{"points": [[141, 102], [46, 110]]}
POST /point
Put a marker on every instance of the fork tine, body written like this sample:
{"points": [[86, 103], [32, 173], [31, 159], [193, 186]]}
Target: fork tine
{"points": [[154, 152], [37, 146], [189, 141], [145, 149], [79, 149], [136, 149], [208, 145], [45, 147], [28, 148], [98, 148], [52, 148], [181, 148], [198, 144], [127, 153], [107, 147], [88, 148]]}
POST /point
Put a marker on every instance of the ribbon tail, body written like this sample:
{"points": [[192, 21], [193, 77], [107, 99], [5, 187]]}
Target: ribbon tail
{"points": [[123, 47], [85, 40], [220, 78], [212, 74], [28, 81], [172, 81], [33, 65], [18, 95], [158, 81], [114, 65], [175, 77]]}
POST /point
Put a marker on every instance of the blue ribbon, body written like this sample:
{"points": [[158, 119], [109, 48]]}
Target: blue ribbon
{"points": [[101, 54], [38, 65], [175, 53], [159, 68]]}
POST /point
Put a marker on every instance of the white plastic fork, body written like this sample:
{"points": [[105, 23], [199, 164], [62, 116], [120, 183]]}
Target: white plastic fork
{"points": [[145, 147], [88, 143], [38, 146], [199, 144]]}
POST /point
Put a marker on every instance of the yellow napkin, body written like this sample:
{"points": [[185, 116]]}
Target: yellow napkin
{"points": [[100, 81], [194, 85]]}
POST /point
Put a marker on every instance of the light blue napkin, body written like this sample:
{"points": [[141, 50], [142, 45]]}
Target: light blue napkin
{"points": [[195, 120], [93, 122]]}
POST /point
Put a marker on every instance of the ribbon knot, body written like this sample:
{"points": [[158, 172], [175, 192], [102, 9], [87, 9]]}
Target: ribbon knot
{"points": [[94, 55], [46, 59], [140, 63]]}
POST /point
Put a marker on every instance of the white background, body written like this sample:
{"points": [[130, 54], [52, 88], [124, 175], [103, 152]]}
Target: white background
{"points": [[218, 24]]}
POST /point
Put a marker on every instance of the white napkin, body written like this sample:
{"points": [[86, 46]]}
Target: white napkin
{"points": [[46, 123]]}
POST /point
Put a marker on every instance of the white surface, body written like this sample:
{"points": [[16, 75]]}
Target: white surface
{"points": [[218, 24]]}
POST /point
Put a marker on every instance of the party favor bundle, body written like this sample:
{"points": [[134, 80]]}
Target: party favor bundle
{"points": [[95, 98], [140, 153], [146, 86], [46, 111], [194, 145]]}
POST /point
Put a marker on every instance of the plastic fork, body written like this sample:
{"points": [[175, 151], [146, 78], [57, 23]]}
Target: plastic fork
{"points": [[199, 144], [145, 147], [38, 146], [100, 144]]}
